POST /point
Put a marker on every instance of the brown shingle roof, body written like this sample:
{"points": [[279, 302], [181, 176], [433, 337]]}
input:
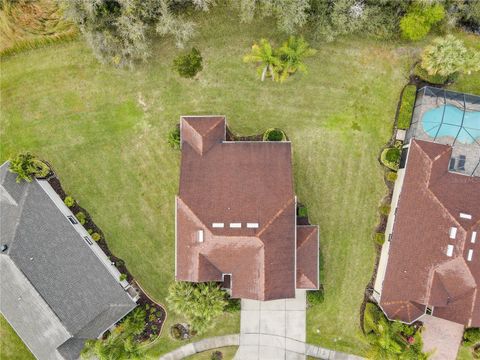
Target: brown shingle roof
{"points": [[419, 270], [236, 183], [307, 254]]}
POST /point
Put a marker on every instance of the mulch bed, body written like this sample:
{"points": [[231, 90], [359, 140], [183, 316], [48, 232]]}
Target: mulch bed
{"points": [[155, 313]]}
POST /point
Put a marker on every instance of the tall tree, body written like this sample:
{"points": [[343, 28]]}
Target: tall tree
{"points": [[292, 55]]}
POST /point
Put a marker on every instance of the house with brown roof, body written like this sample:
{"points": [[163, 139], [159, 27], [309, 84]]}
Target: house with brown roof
{"points": [[432, 256], [236, 219]]}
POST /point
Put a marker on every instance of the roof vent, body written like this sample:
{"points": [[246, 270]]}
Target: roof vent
{"points": [[453, 232], [235, 225], [450, 250], [3, 248], [470, 255], [474, 237], [466, 216]]}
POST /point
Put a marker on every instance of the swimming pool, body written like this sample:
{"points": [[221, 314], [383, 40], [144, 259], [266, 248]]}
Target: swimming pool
{"points": [[468, 132]]}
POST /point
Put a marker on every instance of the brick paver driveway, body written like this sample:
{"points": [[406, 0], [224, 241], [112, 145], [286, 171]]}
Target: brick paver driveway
{"points": [[273, 329]]}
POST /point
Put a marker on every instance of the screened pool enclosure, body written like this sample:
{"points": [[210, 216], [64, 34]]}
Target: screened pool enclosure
{"points": [[451, 118]]}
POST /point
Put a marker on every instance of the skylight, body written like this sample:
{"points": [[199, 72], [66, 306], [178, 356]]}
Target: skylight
{"points": [[252, 225], [474, 237], [235, 225], [466, 216], [470, 255], [200, 236], [449, 250], [218, 225], [453, 232]]}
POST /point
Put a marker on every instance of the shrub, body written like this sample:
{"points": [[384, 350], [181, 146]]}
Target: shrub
{"points": [[315, 297], [69, 201], [384, 209], [420, 18], [81, 217], [174, 138], [274, 135], [90, 231], [471, 336], [393, 155], [189, 64], [302, 211], [432, 79], [448, 56], [233, 305], [122, 277], [96, 236], [26, 166], [178, 332], [216, 355], [406, 107], [391, 176], [200, 303], [379, 238]]}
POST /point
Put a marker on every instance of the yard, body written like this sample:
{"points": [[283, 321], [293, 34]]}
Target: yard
{"points": [[105, 132]]}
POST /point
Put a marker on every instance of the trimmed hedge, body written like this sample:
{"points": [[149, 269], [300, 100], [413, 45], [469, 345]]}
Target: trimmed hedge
{"points": [[406, 107], [274, 135], [390, 157]]}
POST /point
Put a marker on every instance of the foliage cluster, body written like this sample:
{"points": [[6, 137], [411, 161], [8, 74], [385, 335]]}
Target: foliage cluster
{"points": [[174, 138], [391, 176], [471, 336], [390, 157], [448, 56], [315, 297], [384, 209], [391, 339], [26, 166], [379, 238], [406, 107], [69, 201], [189, 64], [420, 18], [274, 135], [280, 63], [81, 217], [200, 303], [121, 342]]}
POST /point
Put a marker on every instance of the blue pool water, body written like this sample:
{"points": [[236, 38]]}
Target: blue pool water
{"points": [[452, 123]]}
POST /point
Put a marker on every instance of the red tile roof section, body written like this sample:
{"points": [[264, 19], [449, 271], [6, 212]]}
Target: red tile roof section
{"points": [[235, 182], [419, 272], [307, 254]]}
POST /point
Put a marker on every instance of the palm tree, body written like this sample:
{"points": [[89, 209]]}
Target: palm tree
{"points": [[26, 166], [292, 53], [264, 55]]}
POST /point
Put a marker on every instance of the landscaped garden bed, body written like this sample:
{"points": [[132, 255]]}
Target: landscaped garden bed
{"points": [[155, 314]]}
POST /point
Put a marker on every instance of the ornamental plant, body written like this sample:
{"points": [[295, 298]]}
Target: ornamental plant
{"points": [[420, 18], [26, 166], [189, 64]]}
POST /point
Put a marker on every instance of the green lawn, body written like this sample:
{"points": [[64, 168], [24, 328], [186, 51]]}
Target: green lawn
{"points": [[11, 347], [228, 353], [111, 154]]}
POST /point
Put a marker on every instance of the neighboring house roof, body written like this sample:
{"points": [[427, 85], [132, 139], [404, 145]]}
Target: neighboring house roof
{"points": [[224, 184], [420, 272], [61, 286]]}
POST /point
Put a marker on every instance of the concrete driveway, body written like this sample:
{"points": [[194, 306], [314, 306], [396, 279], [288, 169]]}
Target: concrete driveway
{"points": [[273, 329], [442, 337]]}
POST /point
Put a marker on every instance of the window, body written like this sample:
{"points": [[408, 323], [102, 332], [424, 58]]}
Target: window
{"points": [[72, 219], [87, 239], [429, 310], [200, 236]]}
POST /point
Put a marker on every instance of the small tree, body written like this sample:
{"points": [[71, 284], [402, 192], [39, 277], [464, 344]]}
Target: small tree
{"points": [[264, 55], [292, 53], [188, 65], [447, 56], [199, 303], [26, 167], [420, 18]]}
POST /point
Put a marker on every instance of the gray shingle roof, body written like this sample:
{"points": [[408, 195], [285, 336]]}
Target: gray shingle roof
{"points": [[58, 263]]}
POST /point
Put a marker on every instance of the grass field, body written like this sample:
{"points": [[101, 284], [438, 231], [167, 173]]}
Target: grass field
{"points": [[228, 353], [105, 130], [11, 347]]}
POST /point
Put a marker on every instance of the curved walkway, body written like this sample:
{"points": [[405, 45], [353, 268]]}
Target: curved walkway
{"points": [[234, 340]]}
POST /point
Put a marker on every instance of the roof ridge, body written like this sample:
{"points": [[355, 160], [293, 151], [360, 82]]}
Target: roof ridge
{"points": [[313, 228], [277, 214], [214, 126], [19, 216]]}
